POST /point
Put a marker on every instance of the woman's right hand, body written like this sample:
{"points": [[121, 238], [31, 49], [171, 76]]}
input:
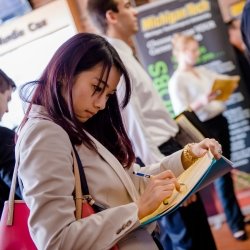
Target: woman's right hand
{"points": [[204, 100], [212, 95], [159, 187]]}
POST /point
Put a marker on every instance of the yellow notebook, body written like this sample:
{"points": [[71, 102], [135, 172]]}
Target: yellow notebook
{"points": [[200, 174], [225, 87]]}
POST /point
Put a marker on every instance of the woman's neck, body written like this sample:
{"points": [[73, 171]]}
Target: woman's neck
{"points": [[185, 67], [188, 68]]}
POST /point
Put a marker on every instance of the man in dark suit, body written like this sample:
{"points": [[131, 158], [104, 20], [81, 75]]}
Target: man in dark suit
{"points": [[7, 141], [239, 47], [245, 25]]}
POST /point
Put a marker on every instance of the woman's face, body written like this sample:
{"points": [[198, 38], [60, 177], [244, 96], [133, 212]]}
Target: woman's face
{"points": [[88, 97], [189, 53]]}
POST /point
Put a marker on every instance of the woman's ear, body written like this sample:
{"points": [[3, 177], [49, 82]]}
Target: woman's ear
{"points": [[111, 17]]}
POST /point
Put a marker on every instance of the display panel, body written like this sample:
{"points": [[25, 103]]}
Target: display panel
{"points": [[27, 44]]}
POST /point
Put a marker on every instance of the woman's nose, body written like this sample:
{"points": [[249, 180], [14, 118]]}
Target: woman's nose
{"points": [[100, 102], [135, 12]]}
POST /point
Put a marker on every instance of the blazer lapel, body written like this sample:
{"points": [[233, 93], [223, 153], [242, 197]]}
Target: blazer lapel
{"points": [[116, 165], [38, 112]]}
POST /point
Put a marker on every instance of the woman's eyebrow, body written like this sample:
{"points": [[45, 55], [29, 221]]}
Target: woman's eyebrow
{"points": [[101, 81], [106, 84]]}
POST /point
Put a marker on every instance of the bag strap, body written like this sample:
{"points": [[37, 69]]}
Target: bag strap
{"points": [[84, 185], [83, 181], [12, 197], [78, 188]]}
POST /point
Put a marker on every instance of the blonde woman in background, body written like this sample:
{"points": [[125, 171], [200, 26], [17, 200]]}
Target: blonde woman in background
{"points": [[190, 87]]}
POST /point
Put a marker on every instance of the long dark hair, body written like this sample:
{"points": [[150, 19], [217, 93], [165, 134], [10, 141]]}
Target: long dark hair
{"points": [[80, 53]]}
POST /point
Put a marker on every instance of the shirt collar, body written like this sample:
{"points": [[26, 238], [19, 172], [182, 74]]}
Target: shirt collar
{"points": [[121, 45]]}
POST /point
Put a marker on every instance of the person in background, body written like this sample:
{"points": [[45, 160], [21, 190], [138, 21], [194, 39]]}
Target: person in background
{"points": [[245, 33], [190, 87], [7, 142], [149, 125], [239, 47], [74, 104], [245, 25]]}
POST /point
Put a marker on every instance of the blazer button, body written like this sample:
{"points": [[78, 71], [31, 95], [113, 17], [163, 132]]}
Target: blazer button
{"points": [[119, 231], [129, 223]]}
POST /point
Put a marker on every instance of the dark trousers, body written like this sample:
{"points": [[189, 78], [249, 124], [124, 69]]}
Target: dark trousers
{"points": [[186, 228], [218, 129]]}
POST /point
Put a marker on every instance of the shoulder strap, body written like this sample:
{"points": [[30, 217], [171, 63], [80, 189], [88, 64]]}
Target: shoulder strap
{"points": [[84, 185], [12, 197], [78, 189], [79, 186]]}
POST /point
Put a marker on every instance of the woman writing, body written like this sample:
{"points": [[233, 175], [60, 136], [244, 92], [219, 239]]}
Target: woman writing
{"points": [[190, 87], [74, 102]]}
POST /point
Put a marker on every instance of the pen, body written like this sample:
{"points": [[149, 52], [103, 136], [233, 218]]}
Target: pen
{"points": [[165, 201], [142, 174]]}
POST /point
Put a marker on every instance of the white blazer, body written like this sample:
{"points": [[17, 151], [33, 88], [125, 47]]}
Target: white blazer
{"points": [[43, 153]]}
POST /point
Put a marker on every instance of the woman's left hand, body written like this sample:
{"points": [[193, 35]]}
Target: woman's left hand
{"points": [[190, 200], [199, 149]]}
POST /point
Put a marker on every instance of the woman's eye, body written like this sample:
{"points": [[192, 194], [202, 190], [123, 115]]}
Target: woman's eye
{"points": [[110, 94], [97, 88], [128, 6]]}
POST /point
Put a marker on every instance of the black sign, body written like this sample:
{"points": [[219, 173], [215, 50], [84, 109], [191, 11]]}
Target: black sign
{"points": [[201, 18]]}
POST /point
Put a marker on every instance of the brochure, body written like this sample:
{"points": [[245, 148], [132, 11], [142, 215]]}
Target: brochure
{"points": [[203, 172]]}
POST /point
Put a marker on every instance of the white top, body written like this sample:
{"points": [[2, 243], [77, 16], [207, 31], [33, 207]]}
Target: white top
{"points": [[146, 118], [186, 88]]}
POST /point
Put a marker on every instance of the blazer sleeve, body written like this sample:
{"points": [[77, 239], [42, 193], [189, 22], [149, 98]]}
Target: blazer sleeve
{"points": [[48, 184], [171, 162]]}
